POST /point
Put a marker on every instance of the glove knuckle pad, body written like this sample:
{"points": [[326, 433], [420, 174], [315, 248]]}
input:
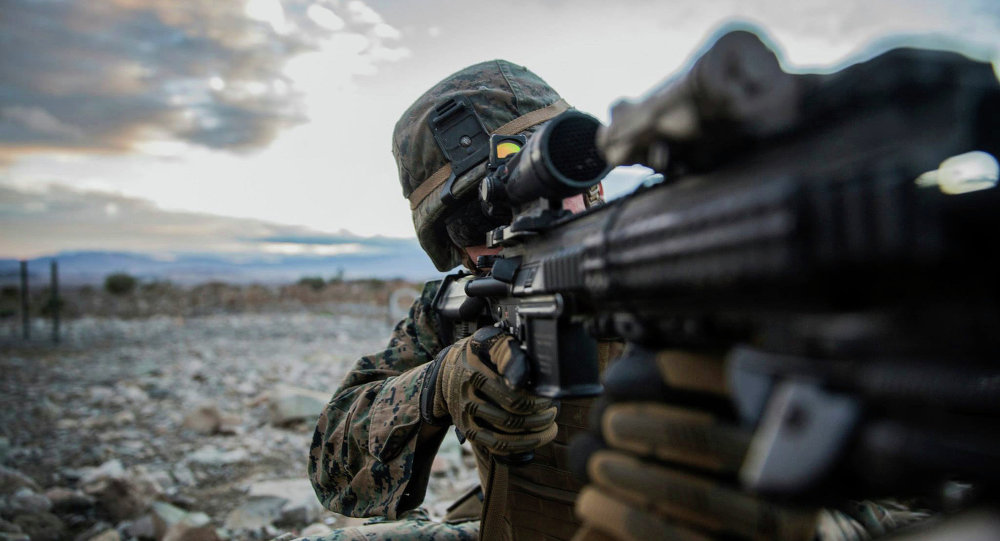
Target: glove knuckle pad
{"points": [[479, 380]]}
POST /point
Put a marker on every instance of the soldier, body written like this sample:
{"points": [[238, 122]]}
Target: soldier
{"points": [[374, 442]]}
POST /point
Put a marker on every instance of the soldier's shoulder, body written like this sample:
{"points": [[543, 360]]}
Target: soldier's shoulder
{"points": [[428, 294]]}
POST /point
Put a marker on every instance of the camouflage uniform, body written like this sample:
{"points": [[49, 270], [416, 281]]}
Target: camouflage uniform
{"points": [[369, 456], [364, 460], [367, 459]]}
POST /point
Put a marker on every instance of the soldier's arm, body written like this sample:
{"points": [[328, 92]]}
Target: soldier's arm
{"points": [[371, 453]]}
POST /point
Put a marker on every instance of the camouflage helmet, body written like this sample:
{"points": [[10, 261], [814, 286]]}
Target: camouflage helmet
{"points": [[508, 99]]}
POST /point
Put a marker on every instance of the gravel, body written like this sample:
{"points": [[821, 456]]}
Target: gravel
{"points": [[120, 390]]}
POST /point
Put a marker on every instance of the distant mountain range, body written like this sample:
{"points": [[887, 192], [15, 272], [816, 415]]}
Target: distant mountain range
{"points": [[391, 258], [93, 234]]}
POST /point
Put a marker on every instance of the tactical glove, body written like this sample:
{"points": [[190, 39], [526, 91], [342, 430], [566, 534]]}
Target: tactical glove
{"points": [[663, 461], [479, 385], [663, 464]]}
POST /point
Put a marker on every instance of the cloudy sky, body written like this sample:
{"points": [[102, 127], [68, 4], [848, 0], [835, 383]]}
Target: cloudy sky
{"points": [[208, 119]]}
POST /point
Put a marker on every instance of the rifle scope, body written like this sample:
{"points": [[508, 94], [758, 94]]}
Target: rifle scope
{"points": [[560, 160]]}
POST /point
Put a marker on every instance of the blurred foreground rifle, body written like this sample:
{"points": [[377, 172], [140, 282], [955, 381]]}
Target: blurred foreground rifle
{"points": [[834, 235]]}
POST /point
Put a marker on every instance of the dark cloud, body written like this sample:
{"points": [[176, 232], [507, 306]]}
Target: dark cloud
{"points": [[59, 218], [103, 74]]}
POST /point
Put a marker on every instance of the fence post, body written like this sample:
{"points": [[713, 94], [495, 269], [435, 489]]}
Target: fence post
{"points": [[25, 317], [54, 301]]}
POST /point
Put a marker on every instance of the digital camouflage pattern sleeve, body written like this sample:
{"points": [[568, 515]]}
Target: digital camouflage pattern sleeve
{"points": [[364, 460]]}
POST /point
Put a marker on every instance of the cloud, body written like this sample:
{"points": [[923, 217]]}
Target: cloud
{"points": [[59, 218], [109, 75], [361, 13], [325, 17], [386, 31], [39, 121]]}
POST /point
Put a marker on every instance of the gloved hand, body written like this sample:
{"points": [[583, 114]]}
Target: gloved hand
{"points": [[479, 385], [663, 460]]}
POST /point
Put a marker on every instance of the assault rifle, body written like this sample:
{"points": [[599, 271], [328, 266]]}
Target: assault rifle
{"points": [[835, 234]]}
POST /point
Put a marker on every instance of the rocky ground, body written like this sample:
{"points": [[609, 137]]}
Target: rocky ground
{"points": [[173, 428]]}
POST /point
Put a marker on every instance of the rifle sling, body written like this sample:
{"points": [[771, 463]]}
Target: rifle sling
{"points": [[492, 526]]}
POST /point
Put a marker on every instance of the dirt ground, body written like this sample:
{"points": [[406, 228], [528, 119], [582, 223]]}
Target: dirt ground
{"points": [[123, 389]]}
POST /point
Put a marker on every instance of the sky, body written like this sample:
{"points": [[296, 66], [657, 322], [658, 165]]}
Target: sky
{"points": [[172, 125]]}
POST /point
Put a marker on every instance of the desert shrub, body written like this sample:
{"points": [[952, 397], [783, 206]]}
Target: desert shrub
{"points": [[120, 283], [9, 301], [51, 306], [158, 287], [315, 282], [372, 283]]}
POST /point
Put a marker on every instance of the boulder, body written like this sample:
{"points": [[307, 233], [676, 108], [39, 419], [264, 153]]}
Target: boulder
{"points": [[65, 500], [183, 475], [288, 404], [185, 532], [47, 410], [98, 531], [123, 418], [9, 527], [111, 469], [11, 480], [119, 494], [316, 529], [119, 497], [100, 395], [132, 393], [166, 516], [140, 528], [205, 419], [147, 483], [440, 466], [161, 477], [301, 505], [255, 514], [110, 534], [41, 526], [28, 501], [338, 521], [231, 425], [211, 456]]}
